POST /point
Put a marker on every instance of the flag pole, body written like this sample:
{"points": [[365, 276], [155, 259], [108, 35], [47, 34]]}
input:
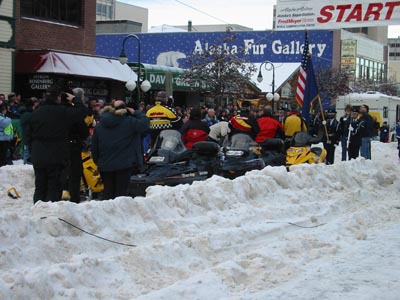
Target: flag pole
{"points": [[323, 120]]}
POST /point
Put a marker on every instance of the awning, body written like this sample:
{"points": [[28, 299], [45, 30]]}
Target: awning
{"points": [[48, 61], [283, 73]]}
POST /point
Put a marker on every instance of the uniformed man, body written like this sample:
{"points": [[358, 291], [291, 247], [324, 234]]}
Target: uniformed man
{"points": [[331, 140]]}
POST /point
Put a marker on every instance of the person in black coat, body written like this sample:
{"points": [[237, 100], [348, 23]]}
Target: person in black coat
{"points": [[332, 140], [47, 135], [344, 124], [366, 131], [74, 170], [355, 137], [117, 146]]}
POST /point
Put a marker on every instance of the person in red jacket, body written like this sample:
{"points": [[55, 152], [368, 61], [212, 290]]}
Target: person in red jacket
{"points": [[269, 127], [194, 130]]}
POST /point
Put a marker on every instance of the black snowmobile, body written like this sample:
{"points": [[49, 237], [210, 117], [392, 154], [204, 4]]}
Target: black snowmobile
{"points": [[240, 157], [272, 151], [170, 163]]}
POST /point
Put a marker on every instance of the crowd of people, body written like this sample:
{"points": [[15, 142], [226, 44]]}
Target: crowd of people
{"points": [[354, 131], [49, 133]]}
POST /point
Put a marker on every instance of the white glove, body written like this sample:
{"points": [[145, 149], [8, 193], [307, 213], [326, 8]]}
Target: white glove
{"points": [[324, 122], [351, 128]]}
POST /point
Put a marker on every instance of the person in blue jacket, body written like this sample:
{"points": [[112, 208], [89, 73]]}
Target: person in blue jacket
{"points": [[117, 146]]}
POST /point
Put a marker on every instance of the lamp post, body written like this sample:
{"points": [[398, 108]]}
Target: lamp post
{"points": [[270, 96], [123, 59]]}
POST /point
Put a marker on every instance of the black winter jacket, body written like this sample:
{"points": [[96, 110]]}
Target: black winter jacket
{"points": [[117, 142], [47, 133], [366, 126]]}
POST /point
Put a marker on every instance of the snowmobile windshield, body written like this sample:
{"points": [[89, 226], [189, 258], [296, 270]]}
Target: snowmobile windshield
{"points": [[302, 139], [171, 140], [241, 141]]}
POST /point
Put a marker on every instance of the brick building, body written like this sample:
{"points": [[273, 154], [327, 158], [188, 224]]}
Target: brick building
{"points": [[56, 40], [71, 27]]}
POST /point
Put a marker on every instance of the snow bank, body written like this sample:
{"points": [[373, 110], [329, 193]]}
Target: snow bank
{"points": [[217, 239]]}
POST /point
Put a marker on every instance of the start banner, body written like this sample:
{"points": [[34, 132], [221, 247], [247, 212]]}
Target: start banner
{"points": [[326, 14]]}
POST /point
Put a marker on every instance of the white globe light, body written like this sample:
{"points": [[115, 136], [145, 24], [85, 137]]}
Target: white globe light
{"points": [[269, 96], [130, 85], [276, 97], [145, 86], [123, 60]]}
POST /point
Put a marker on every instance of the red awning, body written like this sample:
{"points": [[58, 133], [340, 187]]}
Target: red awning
{"points": [[47, 61]]}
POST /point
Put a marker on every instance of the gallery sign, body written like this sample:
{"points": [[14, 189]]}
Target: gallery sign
{"points": [[324, 14], [174, 49]]}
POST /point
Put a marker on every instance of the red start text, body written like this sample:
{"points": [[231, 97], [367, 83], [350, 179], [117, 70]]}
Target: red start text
{"points": [[356, 12]]}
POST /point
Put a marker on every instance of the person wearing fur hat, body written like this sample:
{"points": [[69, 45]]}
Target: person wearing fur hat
{"points": [[195, 130], [117, 146]]}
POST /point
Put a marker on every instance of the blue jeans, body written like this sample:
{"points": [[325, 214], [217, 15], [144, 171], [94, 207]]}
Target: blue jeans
{"points": [[27, 156], [365, 150]]}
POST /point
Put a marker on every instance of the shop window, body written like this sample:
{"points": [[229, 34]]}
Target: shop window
{"points": [[65, 11]]}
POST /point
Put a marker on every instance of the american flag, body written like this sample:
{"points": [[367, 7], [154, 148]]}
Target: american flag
{"points": [[301, 83], [307, 89]]}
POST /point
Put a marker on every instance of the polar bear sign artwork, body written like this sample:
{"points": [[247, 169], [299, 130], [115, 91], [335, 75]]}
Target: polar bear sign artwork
{"points": [[327, 14], [170, 58]]}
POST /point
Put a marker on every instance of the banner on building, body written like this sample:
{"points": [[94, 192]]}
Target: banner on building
{"points": [[174, 49], [324, 14], [348, 55]]}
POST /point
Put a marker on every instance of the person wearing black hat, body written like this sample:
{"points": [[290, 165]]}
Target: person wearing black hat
{"points": [[244, 122], [331, 140], [344, 124], [354, 142], [195, 130]]}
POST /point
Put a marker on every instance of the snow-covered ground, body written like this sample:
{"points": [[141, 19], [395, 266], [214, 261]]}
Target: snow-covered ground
{"points": [[217, 239]]}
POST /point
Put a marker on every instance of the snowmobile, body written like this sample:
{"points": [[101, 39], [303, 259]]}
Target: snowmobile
{"points": [[91, 181], [240, 157], [272, 151], [170, 163], [301, 151]]}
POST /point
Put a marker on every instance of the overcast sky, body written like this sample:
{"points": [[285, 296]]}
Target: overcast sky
{"points": [[256, 14]]}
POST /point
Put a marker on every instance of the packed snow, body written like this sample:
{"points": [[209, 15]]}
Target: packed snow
{"points": [[316, 232]]}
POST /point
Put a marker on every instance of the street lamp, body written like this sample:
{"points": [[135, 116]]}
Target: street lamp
{"points": [[123, 59], [270, 96]]}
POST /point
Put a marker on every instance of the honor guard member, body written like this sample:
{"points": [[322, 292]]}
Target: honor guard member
{"points": [[332, 140]]}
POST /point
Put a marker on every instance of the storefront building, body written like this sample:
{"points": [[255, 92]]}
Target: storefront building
{"points": [[64, 32]]}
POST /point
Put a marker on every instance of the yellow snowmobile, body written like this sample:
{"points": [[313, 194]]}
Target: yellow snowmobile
{"points": [[301, 152], [91, 181]]}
